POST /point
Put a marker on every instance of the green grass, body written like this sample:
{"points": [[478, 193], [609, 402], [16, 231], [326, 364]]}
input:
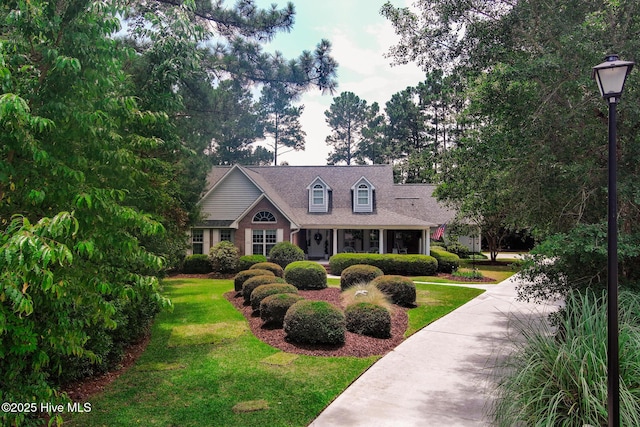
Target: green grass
{"points": [[195, 372], [499, 272], [434, 301]]}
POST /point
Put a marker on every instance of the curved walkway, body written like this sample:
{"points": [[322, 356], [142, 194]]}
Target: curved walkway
{"points": [[441, 375]]}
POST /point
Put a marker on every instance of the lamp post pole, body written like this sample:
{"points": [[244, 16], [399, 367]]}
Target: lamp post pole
{"points": [[611, 76], [613, 368]]}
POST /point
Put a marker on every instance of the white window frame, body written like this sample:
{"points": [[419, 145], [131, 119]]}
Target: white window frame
{"points": [[318, 196], [363, 185], [264, 217], [262, 241], [197, 241]]}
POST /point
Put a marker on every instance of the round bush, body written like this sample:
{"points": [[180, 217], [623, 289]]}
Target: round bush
{"points": [[271, 266], [306, 275], [315, 322], [284, 253], [224, 257], [447, 262], [458, 249], [196, 264], [359, 273], [368, 319], [246, 261], [263, 291], [242, 277], [274, 307], [400, 289], [253, 282]]}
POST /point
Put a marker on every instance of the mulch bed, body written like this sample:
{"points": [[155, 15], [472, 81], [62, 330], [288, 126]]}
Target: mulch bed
{"points": [[355, 345]]}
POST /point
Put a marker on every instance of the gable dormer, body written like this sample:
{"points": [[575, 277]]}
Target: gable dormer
{"points": [[318, 196], [362, 195]]}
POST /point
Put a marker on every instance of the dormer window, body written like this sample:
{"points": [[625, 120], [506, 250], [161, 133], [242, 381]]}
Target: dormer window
{"points": [[362, 196], [318, 196]]}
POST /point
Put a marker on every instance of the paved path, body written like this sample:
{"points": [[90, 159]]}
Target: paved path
{"points": [[441, 375]]}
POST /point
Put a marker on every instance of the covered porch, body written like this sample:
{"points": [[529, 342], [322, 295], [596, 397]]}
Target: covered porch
{"points": [[321, 243]]}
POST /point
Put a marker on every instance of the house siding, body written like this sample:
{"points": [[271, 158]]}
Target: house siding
{"points": [[238, 193]]}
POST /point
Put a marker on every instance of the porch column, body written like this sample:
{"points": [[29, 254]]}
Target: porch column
{"points": [[381, 241], [335, 241], [427, 241]]}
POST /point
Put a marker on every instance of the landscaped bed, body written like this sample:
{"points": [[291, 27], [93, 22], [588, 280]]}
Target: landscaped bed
{"points": [[354, 345]]}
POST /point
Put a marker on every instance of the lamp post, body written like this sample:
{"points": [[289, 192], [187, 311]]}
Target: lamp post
{"points": [[611, 76]]}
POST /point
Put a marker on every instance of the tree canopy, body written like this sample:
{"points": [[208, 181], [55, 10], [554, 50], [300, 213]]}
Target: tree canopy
{"points": [[537, 118], [107, 112]]}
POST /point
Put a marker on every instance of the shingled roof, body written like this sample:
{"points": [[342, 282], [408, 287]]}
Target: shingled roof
{"points": [[396, 205]]}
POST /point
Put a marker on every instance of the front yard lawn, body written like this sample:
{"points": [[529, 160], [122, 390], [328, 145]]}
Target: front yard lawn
{"points": [[204, 367]]}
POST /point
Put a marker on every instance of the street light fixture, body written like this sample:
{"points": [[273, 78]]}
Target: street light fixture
{"points": [[611, 76]]}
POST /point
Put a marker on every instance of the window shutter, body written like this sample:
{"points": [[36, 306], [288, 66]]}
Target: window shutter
{"points": [[248, 242], [279, 235]]}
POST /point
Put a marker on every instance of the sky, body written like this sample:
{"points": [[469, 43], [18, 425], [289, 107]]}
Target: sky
{"points": [[360, 37]]}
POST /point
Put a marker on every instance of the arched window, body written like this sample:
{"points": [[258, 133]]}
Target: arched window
{"points": [[264, 216]]}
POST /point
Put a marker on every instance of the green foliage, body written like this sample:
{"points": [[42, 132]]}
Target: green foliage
{"points": [[196, 264], [358, 273], [560, 378], [306, 275], [253, 282], [246, 261], [271, 266], [447, 262], [224, 257], [580, 260], [284, 253], [244, 275], [414, 265], [458, 249], [274, 307], [369, 319], [263, 291], [401, 290], [347, 117], [315, 322], [468, 274]]}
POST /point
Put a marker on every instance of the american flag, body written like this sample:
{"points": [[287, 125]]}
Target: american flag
{"points": [[437, 234]]}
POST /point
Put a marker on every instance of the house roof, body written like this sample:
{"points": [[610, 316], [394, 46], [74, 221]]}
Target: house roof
{"points": [[396, 205]]}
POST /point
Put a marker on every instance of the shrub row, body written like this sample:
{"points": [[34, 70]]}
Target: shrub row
{"points": [[447, 262], [410, 265]]}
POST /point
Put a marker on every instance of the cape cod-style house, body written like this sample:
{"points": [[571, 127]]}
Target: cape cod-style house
{"points": [[322, 209]]}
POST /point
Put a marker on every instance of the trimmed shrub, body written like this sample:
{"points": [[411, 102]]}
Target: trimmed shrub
{"points": [[315, 322], [364, 318], [196, 264], [365, 293], [253, 282], [359, 273], [459, 249], [246, 261], [284, 253], [263, 291], [447, 262], [306, 275], [414, 265], [274, 307], [242, 277], [271, 266], [400, 289], [224, 257]]}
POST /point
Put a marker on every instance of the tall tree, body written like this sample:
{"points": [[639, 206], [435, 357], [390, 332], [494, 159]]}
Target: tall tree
{"points": [[281, 119], [100, 168], [347, 116], [531, 93]]}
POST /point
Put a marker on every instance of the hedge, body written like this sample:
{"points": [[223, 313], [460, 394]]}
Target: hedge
{"points": [[408, 265], [447, 262], [197, 264]]}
